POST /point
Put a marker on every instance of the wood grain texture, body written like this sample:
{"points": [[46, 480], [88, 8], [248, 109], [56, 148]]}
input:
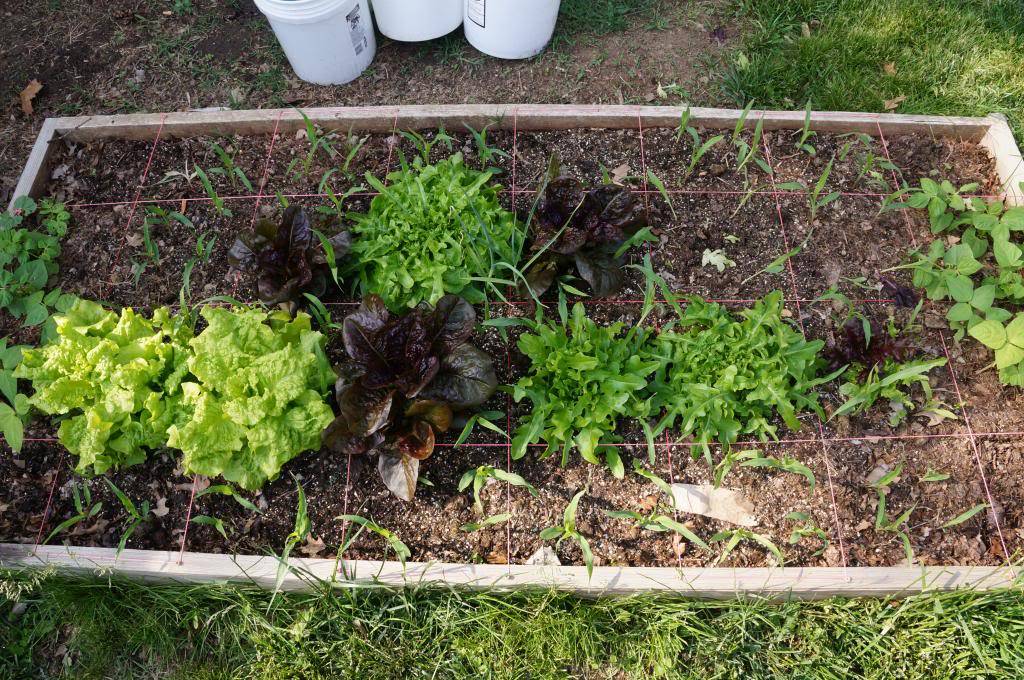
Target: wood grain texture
{"points": [[33, 177], [503, 116], [1009, 164], [715, 583]]}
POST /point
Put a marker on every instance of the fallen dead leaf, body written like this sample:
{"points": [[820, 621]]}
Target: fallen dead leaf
{"points": [[313, 546], [546, 556], [28, 94], [889, 68], [201, 484], [497, 556], [805, 30], [161, 509], [620, 173], [893, 103], [727, 505]]}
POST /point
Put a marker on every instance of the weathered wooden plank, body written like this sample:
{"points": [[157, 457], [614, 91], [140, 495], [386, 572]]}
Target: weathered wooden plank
{"points": [[33, 177], [718, 583], [524, 116], [1009, 164]]}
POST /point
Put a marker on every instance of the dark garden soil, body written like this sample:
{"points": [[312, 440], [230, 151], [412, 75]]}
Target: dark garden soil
{"points": [[849, 244]]}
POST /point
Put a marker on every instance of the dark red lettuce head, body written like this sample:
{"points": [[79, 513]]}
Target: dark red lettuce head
{"points": [[405, 377], [288, 258]]}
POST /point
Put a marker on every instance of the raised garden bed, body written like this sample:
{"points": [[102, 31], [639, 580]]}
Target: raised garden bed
{"points": [[111, 171]]}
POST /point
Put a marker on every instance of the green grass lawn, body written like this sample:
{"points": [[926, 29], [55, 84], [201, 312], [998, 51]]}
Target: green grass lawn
{"points": [[957, 57], [101, 629]]}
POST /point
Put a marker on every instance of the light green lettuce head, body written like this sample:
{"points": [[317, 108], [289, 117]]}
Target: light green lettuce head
{"points": [[117, 376], [258, 396]]}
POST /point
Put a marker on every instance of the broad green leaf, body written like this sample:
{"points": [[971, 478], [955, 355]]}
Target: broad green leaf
{"points": [[989, 333]]}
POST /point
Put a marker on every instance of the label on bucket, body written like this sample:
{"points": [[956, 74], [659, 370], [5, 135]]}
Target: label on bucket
{"points": [[357, 30], [476, 10]]}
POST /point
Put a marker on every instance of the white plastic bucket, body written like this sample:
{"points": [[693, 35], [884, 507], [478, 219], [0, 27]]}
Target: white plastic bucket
{"points": [[511, 29], [416, 20], [328, 42]]}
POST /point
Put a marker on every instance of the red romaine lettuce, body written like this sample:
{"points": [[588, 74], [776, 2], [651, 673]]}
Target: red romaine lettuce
{"points": [[289, 257], [583, 227], [405, 378]]}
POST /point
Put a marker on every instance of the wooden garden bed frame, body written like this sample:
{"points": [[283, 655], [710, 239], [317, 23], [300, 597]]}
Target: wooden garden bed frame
{"points": [[991, 132]]}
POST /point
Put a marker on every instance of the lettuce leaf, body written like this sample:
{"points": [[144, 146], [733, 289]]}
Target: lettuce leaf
{"points": [[116, 376], [258, 397]]}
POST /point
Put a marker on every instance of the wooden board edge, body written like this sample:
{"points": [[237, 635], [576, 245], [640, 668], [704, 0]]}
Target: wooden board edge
{"points": [[709, 583], [1000, 142], [504, 116], [33, 176]]}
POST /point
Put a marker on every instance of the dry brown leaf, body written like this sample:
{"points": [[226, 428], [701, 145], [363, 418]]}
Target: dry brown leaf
{"points": [[891, 104], [28, 94], [497, 556], [313, 546], [200, 483], [889, 68], [805, 30], [620, 173], [161, 509]]}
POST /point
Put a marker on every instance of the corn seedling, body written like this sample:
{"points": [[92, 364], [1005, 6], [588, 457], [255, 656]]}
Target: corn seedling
{"points": [[806, 133], [567, 531], [484, 419], [209, 521], [218, 202], [228, 168], [657, 520], [807, 529], [473, 527], [964, 516], [85, 510], [229, 491], [151, 252], [698, 149], [749, 152], [934, 476], [318, 141], [136, 515], [660, 186], [300, 531], [893, 525], [485, 151], [480, 476], [776, 266], [320, 313], [733, 537], [816, 198], [392, 541]]}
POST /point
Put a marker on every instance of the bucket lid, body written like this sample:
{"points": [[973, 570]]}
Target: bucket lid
{"points": [[303, 11]]}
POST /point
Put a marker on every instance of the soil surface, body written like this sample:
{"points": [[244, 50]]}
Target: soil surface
{"points": [[947, 465]]}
